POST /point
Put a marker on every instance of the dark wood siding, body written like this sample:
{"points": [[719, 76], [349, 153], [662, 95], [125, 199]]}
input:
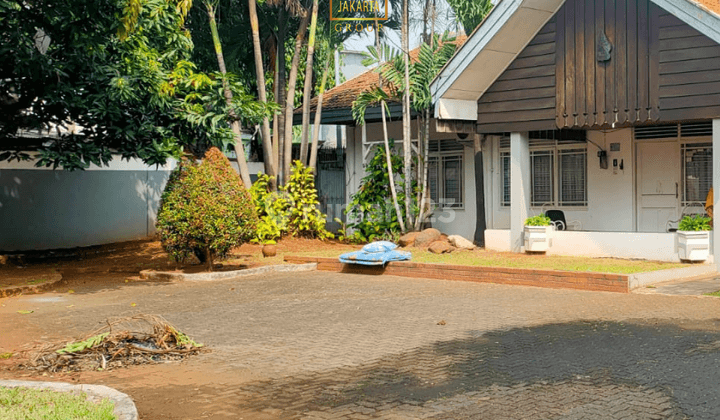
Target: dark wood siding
{"points": [[689, 72], [660, 69], [622, 90], [523, 97]]}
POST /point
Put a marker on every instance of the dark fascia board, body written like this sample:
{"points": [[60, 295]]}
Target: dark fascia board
{"points": [[343, 116]]}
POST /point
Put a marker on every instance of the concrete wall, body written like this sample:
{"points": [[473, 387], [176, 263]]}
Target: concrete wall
{"points": [[449, 221], [650, 246], [47, 209]]}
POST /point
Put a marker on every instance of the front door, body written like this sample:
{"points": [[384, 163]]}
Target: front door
{"points": [[658, 174]]}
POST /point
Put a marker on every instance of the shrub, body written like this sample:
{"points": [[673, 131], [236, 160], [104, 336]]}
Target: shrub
{"points": [[293, 209], [205, 210], [695, 223], [540, 220]]}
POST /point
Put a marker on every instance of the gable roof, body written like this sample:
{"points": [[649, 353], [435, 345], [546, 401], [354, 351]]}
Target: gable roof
{"points": [[343, 95], [507, 30]]}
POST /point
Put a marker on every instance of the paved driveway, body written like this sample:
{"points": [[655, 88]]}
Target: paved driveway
{"points": [[327, 345]]}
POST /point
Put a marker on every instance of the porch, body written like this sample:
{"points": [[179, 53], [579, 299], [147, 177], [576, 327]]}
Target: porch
{"points": [[626, 204]]}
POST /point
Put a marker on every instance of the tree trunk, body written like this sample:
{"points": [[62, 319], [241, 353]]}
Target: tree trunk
{"points": [[290, 100], [280, 97], [259, 73], [388, 159], [208, 259], [237, 132], [318, 112], [407, 133], [424, 184], [307, 93], [481, 223]]}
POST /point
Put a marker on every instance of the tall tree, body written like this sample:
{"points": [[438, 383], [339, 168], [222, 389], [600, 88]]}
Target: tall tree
{"points": [[260, 75], [237, 132], [471, 13], [407, 140], [127, 84], [308, 85]]}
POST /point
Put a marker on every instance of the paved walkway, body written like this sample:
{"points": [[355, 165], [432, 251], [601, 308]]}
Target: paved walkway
{"points": [[687, 287], [337, 346]]}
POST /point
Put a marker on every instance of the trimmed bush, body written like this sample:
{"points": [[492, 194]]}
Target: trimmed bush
{"points": [[205, 210]]}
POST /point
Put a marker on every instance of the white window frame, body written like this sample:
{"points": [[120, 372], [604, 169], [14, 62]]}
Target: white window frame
{"points": [[557, 151], [442, 200]]}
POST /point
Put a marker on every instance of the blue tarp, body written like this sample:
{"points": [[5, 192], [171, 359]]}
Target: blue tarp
{"points": [[374, 258]]}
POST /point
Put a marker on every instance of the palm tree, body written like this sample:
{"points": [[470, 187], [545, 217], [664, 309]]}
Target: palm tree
{"points": [[308, 85], [266, 139], [239, 150]]}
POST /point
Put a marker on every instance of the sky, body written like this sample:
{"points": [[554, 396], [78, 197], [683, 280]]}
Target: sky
{"points": [[444, 21]]}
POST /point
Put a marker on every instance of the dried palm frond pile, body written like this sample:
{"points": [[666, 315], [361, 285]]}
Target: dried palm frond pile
{"points": [[134, 340]]}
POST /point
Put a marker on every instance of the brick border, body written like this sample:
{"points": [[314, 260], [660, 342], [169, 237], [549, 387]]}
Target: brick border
{"points": [[578, 280], [29, 289]]}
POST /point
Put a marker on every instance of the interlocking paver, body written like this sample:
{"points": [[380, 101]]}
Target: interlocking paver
{"points": [[334, 346]]}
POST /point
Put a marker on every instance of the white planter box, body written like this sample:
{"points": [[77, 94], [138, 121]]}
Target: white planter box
{"points": [[536, 238], [693, 245]]}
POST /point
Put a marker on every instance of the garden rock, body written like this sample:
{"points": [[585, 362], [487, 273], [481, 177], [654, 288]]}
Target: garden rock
{"points": [[441, 247], [427, 237], [408, 239], [461, 243]]}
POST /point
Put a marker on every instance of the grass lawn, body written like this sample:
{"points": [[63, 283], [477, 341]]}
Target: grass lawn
{"points": [[716, 294], [485, 258], [32, 404]]}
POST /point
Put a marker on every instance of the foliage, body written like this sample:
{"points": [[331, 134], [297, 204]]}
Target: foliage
{"points": [[82, 345], [471, 13], [205, 207], [271, 208], [36, 404], [292, 210], [136, 94], [698, 222], [539, 220], [371, 214]]}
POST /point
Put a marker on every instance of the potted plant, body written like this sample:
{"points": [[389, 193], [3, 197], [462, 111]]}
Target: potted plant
{"points": [[536, 233], [694, 238]]}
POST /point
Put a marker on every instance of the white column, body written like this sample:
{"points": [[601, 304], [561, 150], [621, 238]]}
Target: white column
{"points": [[519, 187], [716, 192]]}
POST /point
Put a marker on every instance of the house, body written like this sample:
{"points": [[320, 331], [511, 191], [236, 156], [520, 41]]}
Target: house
{"points": [[452, 185], [606, 110]]}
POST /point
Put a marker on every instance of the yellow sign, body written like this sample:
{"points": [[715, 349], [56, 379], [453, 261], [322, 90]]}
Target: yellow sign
{"points": [[368, 7], [369, 11]]}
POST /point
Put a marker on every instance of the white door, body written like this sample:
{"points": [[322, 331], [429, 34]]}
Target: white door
{"points": [[658, 166]]}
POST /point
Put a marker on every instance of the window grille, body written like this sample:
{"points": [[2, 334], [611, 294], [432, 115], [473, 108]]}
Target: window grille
{"points": [[697, 171]]}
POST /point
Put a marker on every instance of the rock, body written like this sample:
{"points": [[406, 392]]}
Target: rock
{"points": [[461, 243], [441, 247], [408, 239], [269, 250], [426, 237]]}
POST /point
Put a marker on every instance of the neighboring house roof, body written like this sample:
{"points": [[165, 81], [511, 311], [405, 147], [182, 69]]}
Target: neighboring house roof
{"points": [[343, 95], [505, 32]]}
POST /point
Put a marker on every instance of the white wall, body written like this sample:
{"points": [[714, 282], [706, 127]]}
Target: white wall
{"points": [[449, 221], [649, 246]]}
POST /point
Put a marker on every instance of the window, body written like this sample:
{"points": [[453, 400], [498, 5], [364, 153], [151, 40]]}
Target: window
{"points": [[541, 173], [445, 176], [505, 162], [558, 173], [697, 171]]}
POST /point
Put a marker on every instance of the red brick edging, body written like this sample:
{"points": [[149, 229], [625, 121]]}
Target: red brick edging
{"points": [[501, 275]]}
